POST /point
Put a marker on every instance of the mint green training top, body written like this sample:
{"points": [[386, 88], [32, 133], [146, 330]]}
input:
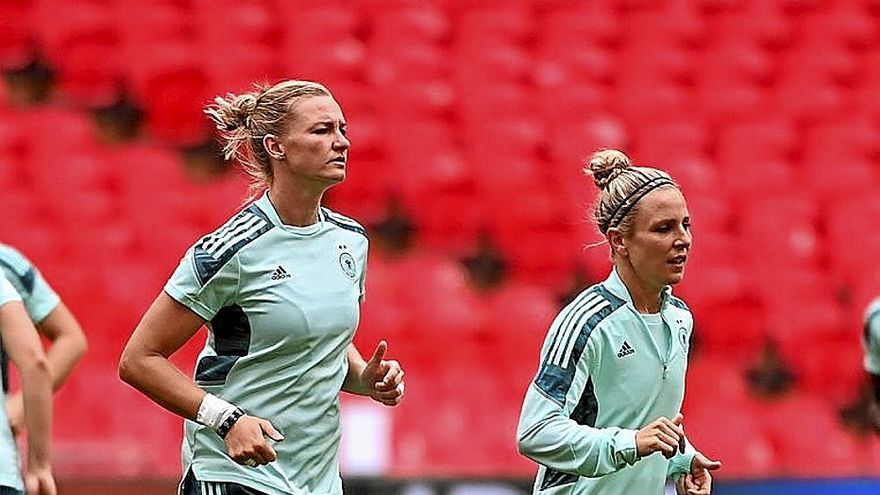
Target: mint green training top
{"points": [[282, 304], [603, 375]]}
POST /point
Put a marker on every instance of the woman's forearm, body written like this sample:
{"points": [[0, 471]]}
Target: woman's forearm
{"points": [[157, 378], [37, 398], [68, 343], [353, 383]]}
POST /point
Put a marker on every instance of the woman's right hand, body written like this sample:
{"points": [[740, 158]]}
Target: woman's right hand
{"points": [[661, 435], [246, 441]]}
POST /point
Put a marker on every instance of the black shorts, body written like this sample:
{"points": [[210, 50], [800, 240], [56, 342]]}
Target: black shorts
{"points": [[5, 490], [192, 486]]}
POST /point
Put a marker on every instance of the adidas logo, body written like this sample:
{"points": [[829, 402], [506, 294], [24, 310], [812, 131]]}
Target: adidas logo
{"points": [[280, 273], [625, 350]]}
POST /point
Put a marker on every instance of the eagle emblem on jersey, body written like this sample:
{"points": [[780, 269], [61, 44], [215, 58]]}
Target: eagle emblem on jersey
{"points": [[346, 262]]}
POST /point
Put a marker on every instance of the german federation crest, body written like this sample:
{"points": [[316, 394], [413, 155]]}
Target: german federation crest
{"points": [[346, 262]]}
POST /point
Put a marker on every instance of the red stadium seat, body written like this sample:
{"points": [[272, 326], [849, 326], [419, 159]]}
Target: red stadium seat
{"points": [[667, 141], [775, 136], [645, 99], [796, 453], [741, 443], [325, 46], [440, 279], [809, 96], [568, 70], [851, 142], [847, 222], [228, 23], [171, 82], [500, 61], [838, 24], [762, 178], [821, 59], [678, 22], [72, 131], [16, 38], [791, 230], [869, 78], [506, 99], [241, 65], [805, 332], [511, 23], [587, 134], [83, 45], [518, 317], [395, 64], [426, 23], [763, 22], [142, 24], [413, 100], [596, 22]]}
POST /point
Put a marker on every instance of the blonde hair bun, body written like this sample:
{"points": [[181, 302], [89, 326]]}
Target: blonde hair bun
{"points": [[605, 166], [231, 112]]}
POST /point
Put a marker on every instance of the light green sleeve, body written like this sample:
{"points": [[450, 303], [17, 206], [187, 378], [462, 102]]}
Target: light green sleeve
{"points": [[548, 436], [7, 291], [37, 295], [872, 339], [42, 299], [680, 463], [204, 299]]}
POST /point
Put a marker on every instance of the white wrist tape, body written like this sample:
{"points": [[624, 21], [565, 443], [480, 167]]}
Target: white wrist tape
{"points": [[213, 411]]}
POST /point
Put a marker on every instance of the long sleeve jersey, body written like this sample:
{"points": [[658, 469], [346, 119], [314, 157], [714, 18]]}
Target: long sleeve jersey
{"points": [[603, 375]]}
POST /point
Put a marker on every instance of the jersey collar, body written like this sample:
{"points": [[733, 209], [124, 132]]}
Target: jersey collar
{"points": [[265, 204], [615, 285]]}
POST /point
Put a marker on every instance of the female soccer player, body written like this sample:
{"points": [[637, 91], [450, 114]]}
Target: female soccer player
{"points": [[279, 286], [51, 318], [602, 415], [21, 342]]}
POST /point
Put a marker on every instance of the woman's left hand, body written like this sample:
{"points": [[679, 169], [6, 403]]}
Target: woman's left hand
{"points": [[698, 481], [383, 379]]}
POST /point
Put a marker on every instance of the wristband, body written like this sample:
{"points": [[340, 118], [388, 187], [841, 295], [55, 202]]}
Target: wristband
{"points": [[230, 420], [214, 411]]}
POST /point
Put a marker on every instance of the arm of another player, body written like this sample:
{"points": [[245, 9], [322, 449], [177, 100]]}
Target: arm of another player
{"points": [[67, 345], [24, 348], [144, 365], [377, 378]]}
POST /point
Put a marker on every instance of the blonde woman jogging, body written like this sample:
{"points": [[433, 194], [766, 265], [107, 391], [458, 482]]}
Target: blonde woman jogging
{"points": [[602, 415], [279, 286]]}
